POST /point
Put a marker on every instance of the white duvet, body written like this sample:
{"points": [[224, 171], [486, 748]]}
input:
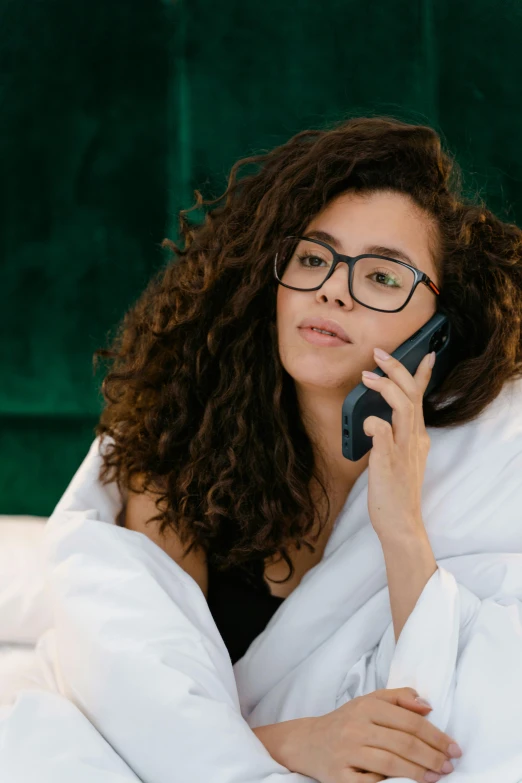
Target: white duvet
{"points": [[132, 681]]}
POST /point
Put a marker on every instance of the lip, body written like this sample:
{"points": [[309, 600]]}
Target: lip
{"points": [[327, 325], [322, 339]]}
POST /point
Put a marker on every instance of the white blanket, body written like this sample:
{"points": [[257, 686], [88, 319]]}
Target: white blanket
{"points": [[132, 680]]}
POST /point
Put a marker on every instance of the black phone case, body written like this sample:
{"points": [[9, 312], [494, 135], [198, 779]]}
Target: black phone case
{"points": [[362, 402]]}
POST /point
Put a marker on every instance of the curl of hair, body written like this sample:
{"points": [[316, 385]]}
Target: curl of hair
{"points": [[198, 404]]}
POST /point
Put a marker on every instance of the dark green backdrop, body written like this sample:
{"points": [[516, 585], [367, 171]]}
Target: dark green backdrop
{"points": [[114, 111]]}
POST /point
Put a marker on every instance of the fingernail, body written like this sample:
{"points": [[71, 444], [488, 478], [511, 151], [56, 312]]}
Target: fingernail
{"points": [[431, 360], [447, 767], [368, 374], [432, 777], [424, 703], [454, 750], [381, 354]]}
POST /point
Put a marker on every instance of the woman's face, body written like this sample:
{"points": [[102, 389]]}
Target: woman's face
{"points": [[385, 219]]}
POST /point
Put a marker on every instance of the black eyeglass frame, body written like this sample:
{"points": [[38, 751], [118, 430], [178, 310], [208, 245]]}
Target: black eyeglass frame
{"points": [[420, 277]]}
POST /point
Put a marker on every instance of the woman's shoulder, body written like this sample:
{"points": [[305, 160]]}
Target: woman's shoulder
{"points": [[140, 508]]}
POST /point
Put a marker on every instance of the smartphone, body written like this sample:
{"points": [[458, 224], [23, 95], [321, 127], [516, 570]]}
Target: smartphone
{"points": [[362, 402]]}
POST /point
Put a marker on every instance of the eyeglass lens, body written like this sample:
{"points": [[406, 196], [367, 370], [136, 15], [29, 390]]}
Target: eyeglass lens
{"points": [[376, 282]]}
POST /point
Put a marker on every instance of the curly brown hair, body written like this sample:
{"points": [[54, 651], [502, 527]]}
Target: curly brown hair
{"points": [[198, 403]]}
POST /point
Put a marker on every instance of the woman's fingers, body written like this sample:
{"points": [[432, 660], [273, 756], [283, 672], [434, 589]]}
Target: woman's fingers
{"points": [[392, 716], [417, 754], [385, 763]]}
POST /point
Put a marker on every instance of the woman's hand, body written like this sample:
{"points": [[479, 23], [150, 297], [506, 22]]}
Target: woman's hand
{"points": [[400, 450], [383, 733]]}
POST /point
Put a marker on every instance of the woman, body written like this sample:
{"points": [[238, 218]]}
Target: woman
{"points": [[224, 409]]}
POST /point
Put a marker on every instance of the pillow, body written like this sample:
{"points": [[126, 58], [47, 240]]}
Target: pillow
{"points": [[24, 610]]}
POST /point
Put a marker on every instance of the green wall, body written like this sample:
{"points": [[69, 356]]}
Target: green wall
{"points": [[113, 112]]}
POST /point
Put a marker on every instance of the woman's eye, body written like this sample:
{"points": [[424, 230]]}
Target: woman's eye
{"points": [[385, 275], [310, 258]]}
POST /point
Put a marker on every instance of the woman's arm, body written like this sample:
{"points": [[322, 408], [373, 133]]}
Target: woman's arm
{"points": [[346, 739], [410, 564]]}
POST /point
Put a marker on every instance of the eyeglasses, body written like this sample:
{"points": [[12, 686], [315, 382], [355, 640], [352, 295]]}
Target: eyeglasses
{"points": [[377, 282]]}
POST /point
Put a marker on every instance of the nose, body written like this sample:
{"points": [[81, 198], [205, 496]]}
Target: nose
{"points": [[337, 284]]}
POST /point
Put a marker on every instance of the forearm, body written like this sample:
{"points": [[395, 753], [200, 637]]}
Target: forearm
{"points": [[285, 741], [410, 563]]}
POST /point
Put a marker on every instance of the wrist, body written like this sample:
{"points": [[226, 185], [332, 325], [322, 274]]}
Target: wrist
{"points": [[286, 741], [412, 536]]}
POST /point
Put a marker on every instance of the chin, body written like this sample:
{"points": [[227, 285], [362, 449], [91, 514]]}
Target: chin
{"points": [[323, 377]]}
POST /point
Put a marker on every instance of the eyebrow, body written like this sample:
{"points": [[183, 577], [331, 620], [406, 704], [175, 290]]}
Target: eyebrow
{"points": [[380, 250]]}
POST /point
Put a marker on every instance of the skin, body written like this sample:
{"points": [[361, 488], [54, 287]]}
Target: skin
{"points": [[325, 375]]}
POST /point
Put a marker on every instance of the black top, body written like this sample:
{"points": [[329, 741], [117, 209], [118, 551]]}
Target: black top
{"points": [[241, 605]]}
